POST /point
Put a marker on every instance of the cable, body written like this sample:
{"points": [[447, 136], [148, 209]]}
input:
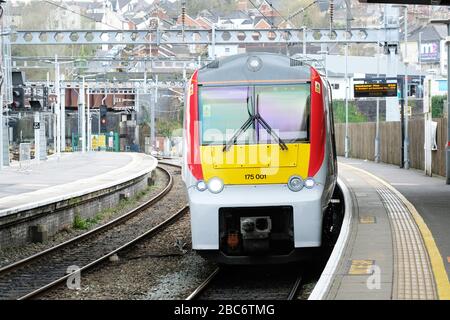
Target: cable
{"points": [[77, 13], [267, 19]]}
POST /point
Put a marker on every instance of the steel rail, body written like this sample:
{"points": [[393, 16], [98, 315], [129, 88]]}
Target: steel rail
{"points": [[97, 231], [149, 233], [94, 231], [292, 294]]}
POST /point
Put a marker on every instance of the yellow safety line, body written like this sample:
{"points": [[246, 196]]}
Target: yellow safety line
{"points": [[437, 264]]}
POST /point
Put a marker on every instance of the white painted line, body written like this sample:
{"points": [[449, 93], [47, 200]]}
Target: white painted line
{"points": [[324, 282], [405, 184]]}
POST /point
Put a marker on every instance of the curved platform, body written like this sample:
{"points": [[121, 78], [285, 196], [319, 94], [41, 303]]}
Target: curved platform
{"points": [[51, 193], [386, 250]]}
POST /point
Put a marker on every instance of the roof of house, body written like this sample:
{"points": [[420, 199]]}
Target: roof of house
{"points": [[430, 32]]}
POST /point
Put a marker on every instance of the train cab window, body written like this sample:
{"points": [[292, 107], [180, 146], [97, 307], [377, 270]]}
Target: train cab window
{"points": [[286, 109], [223, 110]]}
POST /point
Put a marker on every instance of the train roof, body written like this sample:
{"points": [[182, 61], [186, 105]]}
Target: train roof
{"points": [[254, 67]]}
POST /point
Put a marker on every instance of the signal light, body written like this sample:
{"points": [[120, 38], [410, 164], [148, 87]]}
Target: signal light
{"points": [[18, 98], [103, 119]]}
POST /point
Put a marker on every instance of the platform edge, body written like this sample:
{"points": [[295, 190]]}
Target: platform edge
{"points": [[329, 271], [437, 264]]}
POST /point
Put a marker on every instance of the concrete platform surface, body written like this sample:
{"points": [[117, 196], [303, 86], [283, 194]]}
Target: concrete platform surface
{"points": [[70, 175], [429, 195], [390, 252]]}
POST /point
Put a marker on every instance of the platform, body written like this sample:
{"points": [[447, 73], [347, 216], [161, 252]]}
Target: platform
{"points": [[71, 175], [41, 199], [394, 242]]}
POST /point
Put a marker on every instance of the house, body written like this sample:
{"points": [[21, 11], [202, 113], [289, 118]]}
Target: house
{"points": [[427, 48]]}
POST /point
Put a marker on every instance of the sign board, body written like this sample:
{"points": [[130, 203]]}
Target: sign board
{"points": [[98, 141], [375, 90], [430, 51], [36, 125]]}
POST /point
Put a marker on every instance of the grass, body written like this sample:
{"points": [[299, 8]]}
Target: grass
{"points": [[80, 223]]}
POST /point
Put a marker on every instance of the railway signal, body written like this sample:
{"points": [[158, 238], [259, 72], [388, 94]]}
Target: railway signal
{"points": [[103, 119], [18, 98]]}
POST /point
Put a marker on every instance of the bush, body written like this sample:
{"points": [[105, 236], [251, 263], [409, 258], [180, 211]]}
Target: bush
{"points": [[437, 106], [353, 114]]}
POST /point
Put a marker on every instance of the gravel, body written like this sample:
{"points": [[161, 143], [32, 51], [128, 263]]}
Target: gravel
{"points": [[162, 267], [11, 255]]}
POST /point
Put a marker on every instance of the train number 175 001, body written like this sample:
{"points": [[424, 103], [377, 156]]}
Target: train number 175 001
{"points": [[255, 176]]}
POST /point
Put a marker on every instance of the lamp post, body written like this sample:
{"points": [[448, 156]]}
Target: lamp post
{"points": [[447, 22], [349, 18]]}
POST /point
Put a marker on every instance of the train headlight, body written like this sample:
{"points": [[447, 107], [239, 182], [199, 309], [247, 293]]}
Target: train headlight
{"points": [[215, 185], [201, 185], [310, 183], [295, 183]]}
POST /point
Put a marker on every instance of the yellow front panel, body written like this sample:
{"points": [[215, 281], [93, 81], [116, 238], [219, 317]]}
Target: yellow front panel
{"points": [[255, 164]]}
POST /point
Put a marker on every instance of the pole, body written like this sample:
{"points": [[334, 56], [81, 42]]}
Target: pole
{"points": [[1, 127], [377, 134], [402, 124], [346, 101], [347, 82], [213, 42], [89, 140], [37, 144], [304, 41], [406, 111], [57, 108], [63, 118], [420, 58], [448, 104], [83, 117], [152, 114]]}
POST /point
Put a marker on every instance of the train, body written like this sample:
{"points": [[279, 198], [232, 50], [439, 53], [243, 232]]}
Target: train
{"points": [[259, 159]]}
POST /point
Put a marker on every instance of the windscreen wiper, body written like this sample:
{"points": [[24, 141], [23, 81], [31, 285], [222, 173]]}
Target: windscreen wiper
{"points": [[247, 124], [266, 126]]}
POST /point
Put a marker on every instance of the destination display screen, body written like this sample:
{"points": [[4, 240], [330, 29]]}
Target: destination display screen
{"points": [[369, 90]]}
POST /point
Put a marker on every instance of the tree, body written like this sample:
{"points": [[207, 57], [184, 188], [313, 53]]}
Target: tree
{"points": [[166, 128], [311, 17], [220, 7]]}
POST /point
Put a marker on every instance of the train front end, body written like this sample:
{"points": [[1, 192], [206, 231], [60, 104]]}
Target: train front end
{"points": [[258, 163]]}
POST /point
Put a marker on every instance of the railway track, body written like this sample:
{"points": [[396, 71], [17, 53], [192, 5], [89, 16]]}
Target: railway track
{"points": [[250, 283], [38, 273]]}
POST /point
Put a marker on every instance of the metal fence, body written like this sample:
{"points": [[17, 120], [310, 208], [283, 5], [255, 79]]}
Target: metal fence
{"points": [[362, 143]]}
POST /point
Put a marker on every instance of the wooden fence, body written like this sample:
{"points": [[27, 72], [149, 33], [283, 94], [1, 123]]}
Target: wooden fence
{"points": [[362, 142]]}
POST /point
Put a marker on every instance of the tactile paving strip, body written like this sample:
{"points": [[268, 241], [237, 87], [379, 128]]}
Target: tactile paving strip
{"points": [[413, 277]]}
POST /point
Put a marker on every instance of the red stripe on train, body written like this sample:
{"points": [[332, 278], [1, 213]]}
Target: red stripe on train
{"points": [[192, 121], [318, 129]]}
